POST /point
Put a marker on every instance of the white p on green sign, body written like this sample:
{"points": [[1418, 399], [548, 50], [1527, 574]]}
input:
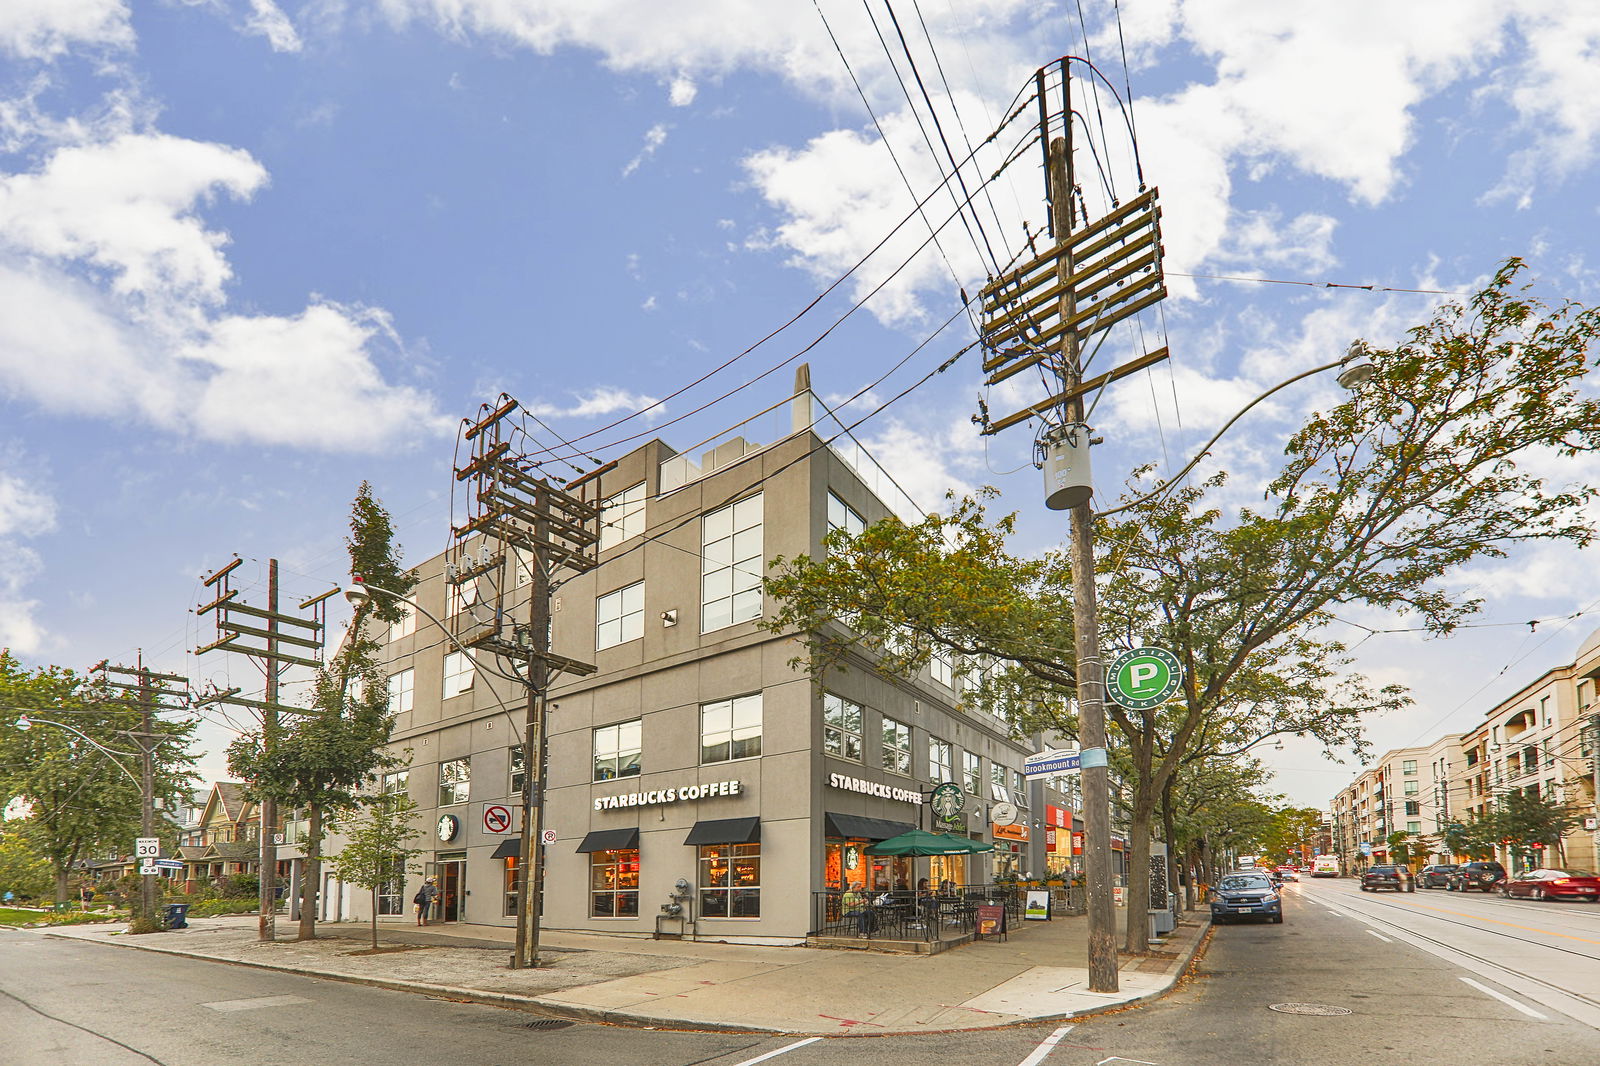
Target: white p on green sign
{"points": [[1144, 677]]}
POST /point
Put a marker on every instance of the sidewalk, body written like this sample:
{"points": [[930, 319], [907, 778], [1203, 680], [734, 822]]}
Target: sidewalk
{"points": [[1038, 974]]}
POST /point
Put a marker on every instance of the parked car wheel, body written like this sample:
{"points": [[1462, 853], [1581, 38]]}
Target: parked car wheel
{"points": [[1277, 919]]}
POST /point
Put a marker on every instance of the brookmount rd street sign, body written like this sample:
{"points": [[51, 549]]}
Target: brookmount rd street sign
{"points": [[1144, 677], [1047, 763], [170, 864]]}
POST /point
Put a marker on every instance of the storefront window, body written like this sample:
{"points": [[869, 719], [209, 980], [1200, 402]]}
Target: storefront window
{"points": [[391, 893], [730, 881], [1007, 860], [841, 727], [947, 868], [510, 908], [614, 884], [843, 863]]}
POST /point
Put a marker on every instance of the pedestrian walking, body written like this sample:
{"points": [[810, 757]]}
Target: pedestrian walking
{"points": [[423, 901]]}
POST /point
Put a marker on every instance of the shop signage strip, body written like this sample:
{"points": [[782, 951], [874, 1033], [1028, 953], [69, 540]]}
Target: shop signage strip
{"points": [[657, 796]]}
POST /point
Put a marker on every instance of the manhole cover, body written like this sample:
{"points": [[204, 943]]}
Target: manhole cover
{"points": [[1320, 1010], [559, 1023]]}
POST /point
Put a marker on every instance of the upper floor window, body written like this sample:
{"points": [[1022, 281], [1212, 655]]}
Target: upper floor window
{"points": [[519, 770], [619, 616], [939, 768], [997, 783], [896, 747], [616, 750], [457, 673], [1019, 788], [402, 690], [395, 783], [622, 516], [730, 729], [972, 770], [1409, 766], [455, 781], [842, 517], [943, 672], [731, 565], [841, 727], [407, 624]]}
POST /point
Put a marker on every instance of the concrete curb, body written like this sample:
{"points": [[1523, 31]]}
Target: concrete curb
{"points": [[1184, 965]]}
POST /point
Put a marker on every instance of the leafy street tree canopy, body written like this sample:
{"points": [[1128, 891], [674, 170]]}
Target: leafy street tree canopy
{"points": [[79, 802], [1426, 467], [319, 760]]}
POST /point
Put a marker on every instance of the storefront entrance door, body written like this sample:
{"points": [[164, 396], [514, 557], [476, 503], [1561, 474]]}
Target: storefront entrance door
{"points": [[452, 875]]}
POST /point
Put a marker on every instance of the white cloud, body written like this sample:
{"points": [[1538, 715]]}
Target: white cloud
{"points": [[596, 403], [44, 29], [25, 511], [681, 92], [113, 296], [126, 205], [268, 19], [654, 138]]}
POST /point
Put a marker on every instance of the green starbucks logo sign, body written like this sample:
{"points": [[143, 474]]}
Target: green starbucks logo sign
{"points": [[949, 801], [1144, 677]]}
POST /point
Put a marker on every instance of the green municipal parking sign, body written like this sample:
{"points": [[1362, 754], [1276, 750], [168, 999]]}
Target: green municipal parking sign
{"points": [[1144, 677]]}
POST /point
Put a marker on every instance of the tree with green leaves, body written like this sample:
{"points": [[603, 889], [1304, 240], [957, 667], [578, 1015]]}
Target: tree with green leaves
{"points": [[1425, 468], [377, 834], [1475, 836], [24, 870], [320, 759], [1536, 824], [79, 798]]}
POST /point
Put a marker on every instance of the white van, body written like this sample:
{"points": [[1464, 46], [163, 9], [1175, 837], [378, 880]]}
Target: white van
{"points": [[1325, 866]]}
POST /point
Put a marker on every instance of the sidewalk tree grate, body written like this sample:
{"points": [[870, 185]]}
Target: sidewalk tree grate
{"points": [[1320, 1010], [547, 1023]]}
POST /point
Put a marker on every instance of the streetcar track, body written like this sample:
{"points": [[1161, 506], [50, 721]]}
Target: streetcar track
{"points": [[1495, 963]]}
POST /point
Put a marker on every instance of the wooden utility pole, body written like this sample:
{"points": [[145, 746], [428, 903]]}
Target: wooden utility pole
{"points": [[274, 660], [1085, 618], [525, 517], [1037, 317], [151, 691]]}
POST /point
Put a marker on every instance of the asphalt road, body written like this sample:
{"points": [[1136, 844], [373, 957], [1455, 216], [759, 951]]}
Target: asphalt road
{"points": [[1386, 959]]}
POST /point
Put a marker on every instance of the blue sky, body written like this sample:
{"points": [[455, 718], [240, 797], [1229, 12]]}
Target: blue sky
{"points": [[253, 252]]}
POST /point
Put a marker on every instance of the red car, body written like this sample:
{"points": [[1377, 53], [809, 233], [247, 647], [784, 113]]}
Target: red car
{"points": [[1553, 884]]}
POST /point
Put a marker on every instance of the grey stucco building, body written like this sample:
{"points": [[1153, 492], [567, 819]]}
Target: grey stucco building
{"points": [[695, 752]]}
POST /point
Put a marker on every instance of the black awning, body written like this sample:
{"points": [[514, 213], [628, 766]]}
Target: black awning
{"points": [[725, 831], [610, 840], [510, 848], [855, 827]]}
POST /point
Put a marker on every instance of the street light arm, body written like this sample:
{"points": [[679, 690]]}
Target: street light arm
{"points": [[1168, 485], [27, 720]]}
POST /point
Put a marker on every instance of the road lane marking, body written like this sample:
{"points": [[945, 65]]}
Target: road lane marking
{"points": [[252, 1004], [1047, 1045], [1380, 936], [1507, 1000], [779, 1051]]}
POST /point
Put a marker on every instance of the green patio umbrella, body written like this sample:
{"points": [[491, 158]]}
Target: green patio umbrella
{"points": [[922, 842]]}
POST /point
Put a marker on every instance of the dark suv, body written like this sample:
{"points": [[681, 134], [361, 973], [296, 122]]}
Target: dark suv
{"points": [[1482, 876], [1435, 876], [1395, 877]]}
